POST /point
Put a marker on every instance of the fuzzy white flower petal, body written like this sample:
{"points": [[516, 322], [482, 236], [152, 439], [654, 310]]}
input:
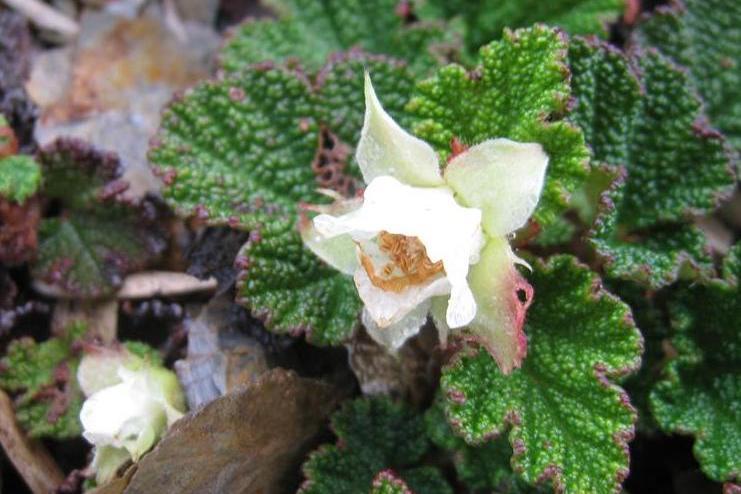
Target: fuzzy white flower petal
{"points": [[450, 233], [388, 308], [337, 251], [122, 416], [393, 337], [438, 308], [124, 420], [387, 149], [99, 369], [503, 178], [162, 386]]}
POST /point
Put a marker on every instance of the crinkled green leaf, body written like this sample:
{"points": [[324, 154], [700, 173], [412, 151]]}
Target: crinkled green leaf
{"points": [[373, 435], [648, 309], [98, 238], [265, 139], [701, 392], [482, 468], [704, 36], [485, 19], [43, 374], [520, 91], [20, 177], [247, 150], [568, 422], [387, 482], [288, 287], [643, 115], [88, 253], [230, 146], [649, 124], [310, 30], [77, 174], [654, 257], [559, 232], [426, 479]]}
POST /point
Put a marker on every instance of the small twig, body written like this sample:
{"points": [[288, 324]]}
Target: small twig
{"points": [[145, 284], [148, 284], [32, 461], [45, 16]]}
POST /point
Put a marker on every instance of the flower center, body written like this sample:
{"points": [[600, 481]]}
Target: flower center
{"points": [[408, 263]]}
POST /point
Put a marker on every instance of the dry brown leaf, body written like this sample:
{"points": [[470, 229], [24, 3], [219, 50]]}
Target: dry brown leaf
{"points": [[249, 441], [114, 82]]}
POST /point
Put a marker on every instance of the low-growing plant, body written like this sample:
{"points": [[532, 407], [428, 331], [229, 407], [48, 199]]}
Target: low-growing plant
{"points": [[529, 181]]}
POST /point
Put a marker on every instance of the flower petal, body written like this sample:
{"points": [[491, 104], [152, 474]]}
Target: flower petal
{"points": [[449, 232], [116, 414], [438, 308], [393, 337], [500, 317], [98, 369], [503, 178], [388, 308], [338, 252], [461, 305], [387, 149]]}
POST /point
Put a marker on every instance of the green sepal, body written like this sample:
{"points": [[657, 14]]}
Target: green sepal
{"points": [[99, 237], [44, 377], [580, 337], [703, 36], [374, 435], [20, 178], [291, 290], [309, 31], [485, 19], [701, 389], [519, 91]]}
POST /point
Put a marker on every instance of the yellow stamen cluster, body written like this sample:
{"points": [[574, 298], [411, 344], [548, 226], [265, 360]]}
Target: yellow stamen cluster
{"points": [[408, 256]]}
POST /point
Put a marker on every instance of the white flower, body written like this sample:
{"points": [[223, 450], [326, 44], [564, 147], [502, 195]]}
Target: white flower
{"points": [[130, 404], [431, 241]]}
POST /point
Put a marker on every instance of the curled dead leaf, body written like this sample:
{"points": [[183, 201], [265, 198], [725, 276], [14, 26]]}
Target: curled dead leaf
{"points": [[251, 440]]}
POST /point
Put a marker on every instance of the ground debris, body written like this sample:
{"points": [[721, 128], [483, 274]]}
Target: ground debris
{"points": [[110, 87], [251, 440]]}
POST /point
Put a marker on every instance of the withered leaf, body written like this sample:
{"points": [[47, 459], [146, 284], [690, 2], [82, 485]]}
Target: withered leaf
{"points": [[252, 440]]}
